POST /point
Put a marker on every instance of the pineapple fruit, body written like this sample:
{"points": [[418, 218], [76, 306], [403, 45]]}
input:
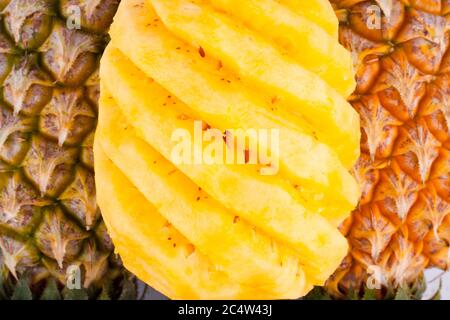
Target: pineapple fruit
{"points": [[402, 223], [227, 231], [49, 219]]}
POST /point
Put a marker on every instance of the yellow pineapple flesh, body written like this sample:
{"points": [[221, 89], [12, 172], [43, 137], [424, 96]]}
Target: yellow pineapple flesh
{"points": [[258, 236]]}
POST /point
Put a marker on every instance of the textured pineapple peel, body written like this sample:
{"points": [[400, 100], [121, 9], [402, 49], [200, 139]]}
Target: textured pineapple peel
{"points": [[235, 232]]}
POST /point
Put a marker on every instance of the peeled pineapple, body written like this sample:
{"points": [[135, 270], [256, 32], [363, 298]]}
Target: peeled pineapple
{"points": [[226, 230]]}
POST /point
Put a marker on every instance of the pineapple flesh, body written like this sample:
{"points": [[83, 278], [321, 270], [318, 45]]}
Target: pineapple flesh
{"points": [[49, 218], [255, 236], [402, 224]]}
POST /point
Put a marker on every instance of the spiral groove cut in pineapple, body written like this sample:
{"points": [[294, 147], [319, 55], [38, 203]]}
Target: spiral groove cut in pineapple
{"points": [[222, 230]]}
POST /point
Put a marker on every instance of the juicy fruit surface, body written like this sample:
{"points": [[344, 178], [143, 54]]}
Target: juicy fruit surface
{"points": [[256, 236], [319, 11], [264, 68], [49, 218], [307, 163], [234, 186], [124, 206], [202, 221], [290, 31], [402, 223]]}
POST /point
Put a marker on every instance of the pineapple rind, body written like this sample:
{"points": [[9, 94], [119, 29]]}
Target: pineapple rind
{"points": [[48, 212], [401, 225]]}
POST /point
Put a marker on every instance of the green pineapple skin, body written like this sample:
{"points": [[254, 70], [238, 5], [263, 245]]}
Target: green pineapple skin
{"points": [[49, 220]]}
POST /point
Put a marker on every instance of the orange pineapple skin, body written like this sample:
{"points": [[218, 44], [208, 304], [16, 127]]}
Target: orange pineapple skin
{"points": [[402, 64]]}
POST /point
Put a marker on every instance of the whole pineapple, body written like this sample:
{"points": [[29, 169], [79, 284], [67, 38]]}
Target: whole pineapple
{"points": [[49, 219], [402, 225]]}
